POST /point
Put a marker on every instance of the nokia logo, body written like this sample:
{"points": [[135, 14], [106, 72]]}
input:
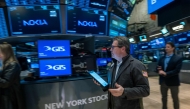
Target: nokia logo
{"points": [[153, 2], [55, 48], [56, 67], [34, 22], [86, 23]]}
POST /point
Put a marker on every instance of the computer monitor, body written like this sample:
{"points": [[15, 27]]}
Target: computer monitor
{"points": [[117, 26], [55, 67], [32, 20], [53, 48], [86, 21], [157, 43]]}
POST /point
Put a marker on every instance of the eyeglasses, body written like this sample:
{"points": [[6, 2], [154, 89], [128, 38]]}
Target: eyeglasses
{"points": [[112, 47]]}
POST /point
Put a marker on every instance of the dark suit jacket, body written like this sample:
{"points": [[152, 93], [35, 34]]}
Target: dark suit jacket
{"points": [[130, 77], [10, 93], [172, 70]]}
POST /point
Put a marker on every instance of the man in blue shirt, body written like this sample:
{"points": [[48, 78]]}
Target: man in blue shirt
{"points": [[168, 68]]}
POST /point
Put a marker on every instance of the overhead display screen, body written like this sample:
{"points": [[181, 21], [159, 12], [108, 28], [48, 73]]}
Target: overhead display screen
{"points": [[118, 26], [122, 7], [53, 48], [30, 2], [99, 4], [143, 38], [55, 67], [3, 25], [86, 21], [154, 5], [182, 38], [144, 46], [34, 19], [157, 43], [170, 39]]}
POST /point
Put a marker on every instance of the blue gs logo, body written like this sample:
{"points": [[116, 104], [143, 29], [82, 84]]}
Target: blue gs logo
{"points": [[56, 67], [55, 48]]}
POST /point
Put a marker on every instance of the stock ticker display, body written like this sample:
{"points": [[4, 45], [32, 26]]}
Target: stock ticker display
{"points": [[3, 25], [122, 7], [98, 4], [30, 2], [86, 21], [34, 19], [144, 46], [182, 38], [157, 43], [118, 26], [53, 48], [55, 67]]}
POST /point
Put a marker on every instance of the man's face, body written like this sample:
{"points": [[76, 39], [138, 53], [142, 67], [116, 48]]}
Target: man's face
{"points": [[169, 48], [116, 50]]}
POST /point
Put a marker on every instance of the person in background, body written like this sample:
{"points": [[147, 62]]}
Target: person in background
{"points": [[10, 93], [127, 78], [168, 69]]}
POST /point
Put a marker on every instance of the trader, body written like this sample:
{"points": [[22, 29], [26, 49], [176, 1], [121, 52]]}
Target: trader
{"points": [[127, 78], [168, 68]]}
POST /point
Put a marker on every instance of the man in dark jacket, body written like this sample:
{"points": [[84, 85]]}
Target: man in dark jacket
{"points": [[127, 78], [168, 68]]}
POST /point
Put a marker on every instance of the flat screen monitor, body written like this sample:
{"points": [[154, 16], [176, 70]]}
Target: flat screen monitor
{"points": [[102, 62], [117, 26], [34, 65], [133, 1], [131, 40], [30, 2], [31, 20], [154, 5], [3, 25], [164, 30], [170, 39], [133, 48], [182, 38], [122, 8], [144, 46], [53, 48], [143, 38], [157, 43], [98, 4], [55, 67], [86, 21]]}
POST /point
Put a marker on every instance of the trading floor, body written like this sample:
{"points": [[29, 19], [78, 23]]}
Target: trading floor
{"points": [[154, 100]]}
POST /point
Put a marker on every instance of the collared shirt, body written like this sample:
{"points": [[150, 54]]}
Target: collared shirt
{"points": [[166, 61], [117, 68]]}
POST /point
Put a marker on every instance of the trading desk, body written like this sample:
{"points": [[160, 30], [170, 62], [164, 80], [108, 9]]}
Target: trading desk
{"points": [[70, 93]]}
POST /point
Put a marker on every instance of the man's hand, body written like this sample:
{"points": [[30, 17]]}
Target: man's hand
{"points": [[96, 82], [161, 72], [118, 91]]}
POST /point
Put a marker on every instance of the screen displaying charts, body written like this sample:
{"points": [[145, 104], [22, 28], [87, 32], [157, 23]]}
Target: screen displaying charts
{"points": [[157, 43], [86, 21], [98, 4], [30, 2], [39, 19], [3, 25], [118, 26]]}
